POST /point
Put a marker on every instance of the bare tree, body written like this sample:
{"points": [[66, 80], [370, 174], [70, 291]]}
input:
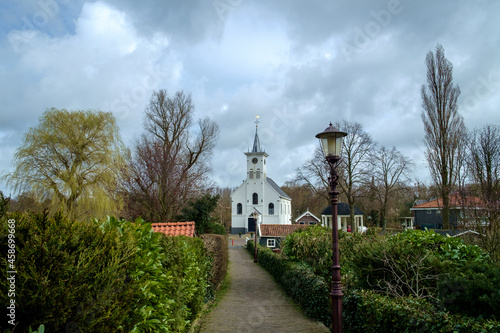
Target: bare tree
{"points": [[355, 167], [443, 126], [170, 163], [390, 171], [314, 173], [484, 171]]}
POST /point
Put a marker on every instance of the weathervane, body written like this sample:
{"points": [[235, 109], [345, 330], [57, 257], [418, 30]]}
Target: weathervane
{"points": [[257, 121]]}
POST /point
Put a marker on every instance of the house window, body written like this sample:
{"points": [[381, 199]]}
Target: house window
{"points": [[271, 243], [255, 199], [429, 211], [302, 222], [312, 223], [271, 209], [239, 209]]}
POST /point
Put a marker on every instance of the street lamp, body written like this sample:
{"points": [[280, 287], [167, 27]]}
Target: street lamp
{"points": [[331, 142], [255, 216]]}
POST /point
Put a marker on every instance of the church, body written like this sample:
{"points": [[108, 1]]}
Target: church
{"points": [[258, 193]]}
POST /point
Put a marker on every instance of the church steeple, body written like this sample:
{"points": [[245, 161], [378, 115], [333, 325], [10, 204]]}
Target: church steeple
{"points": [[256, 141]]}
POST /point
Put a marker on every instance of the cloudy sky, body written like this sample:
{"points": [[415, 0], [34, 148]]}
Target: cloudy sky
{"points": [[296, 64]]}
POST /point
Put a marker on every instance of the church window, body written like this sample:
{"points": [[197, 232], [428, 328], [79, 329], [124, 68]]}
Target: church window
{"points": [[271, 209], [250, 174], [257, 173], [255, 199], [239, 209]]}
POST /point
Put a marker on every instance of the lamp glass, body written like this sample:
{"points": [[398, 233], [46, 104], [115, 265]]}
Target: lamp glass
{"points": [[332, 144]]}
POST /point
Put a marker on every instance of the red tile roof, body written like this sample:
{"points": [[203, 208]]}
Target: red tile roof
{"points": [[279, 230], [456, 200], [175, 228]]}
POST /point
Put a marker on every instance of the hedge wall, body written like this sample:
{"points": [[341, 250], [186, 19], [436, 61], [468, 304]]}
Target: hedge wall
{"points": [[217, 250], [364, 311], [110, 276]]}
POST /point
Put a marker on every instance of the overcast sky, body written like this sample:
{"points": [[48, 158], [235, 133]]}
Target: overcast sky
{"points": [[296, 64]]}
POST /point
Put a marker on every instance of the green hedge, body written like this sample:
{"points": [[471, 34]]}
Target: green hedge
{"points": [[110, 276], [367, 311], [217, 249]]}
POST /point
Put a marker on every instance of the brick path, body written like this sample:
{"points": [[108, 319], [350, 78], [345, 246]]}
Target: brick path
{"points": [[254, 302]]}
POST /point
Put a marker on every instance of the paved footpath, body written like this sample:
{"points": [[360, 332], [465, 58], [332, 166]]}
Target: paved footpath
{"points": [[254, 302]]}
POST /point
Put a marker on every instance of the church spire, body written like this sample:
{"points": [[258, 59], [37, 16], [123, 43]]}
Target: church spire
{"points": [[256, 141]]}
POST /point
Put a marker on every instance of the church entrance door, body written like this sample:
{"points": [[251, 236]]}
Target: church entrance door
{"points": [[251, 224]]}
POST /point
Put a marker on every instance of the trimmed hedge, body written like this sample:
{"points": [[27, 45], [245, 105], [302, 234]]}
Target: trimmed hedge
{"points": [[217, 250], [114, 276]]}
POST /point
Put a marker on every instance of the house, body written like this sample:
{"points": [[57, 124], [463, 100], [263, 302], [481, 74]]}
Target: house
{"points": [[428, 214], [271, 235], [258, 193], [343, 217], [175, 228], [307, 218]]}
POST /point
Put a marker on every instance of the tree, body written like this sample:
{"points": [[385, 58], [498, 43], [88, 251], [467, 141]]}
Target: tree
{"points": [[355, 164], [390, 170], [199, 211], [170, 161], [73, 158], [484, 172], [4, 204], [444, 126]]}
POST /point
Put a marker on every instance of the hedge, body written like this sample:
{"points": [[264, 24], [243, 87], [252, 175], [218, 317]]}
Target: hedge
{"points": [[363, 310], [110, 276], [217, 250]]}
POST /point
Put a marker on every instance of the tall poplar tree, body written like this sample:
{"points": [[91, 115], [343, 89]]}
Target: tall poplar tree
{"points": [[444, 126]]}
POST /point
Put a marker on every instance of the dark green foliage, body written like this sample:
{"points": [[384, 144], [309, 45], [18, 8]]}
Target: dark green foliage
{"points": [[68, 273], [4, 204], [475, 291], [217, 250], [199, 211], [114, 276], [367, 311]]}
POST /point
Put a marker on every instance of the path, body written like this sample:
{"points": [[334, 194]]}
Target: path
{"points": [[254, 302]]}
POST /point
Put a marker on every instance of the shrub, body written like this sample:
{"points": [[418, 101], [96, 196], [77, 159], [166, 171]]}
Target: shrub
{"points": [[69, 273], [217, 249]]}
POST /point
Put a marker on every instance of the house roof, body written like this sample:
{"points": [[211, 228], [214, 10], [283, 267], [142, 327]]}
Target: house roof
{"points": [[342, 210], [175, 228], [307, 213], [279, 230], [456, 200], [277, 188]]}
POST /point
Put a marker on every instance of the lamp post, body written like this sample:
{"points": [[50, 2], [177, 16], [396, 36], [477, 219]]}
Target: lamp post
{"points": [[331, 142], [255, 216]]}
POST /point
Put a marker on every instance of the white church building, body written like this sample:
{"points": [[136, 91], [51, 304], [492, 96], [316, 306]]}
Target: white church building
{"points": [[258, 193]]}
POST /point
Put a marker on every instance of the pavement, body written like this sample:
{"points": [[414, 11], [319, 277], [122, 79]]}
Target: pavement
{"points": [[254, 302]]}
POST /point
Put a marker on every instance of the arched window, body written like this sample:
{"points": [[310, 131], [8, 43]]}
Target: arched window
{"points": [[255, 199], [271, 209], [239, 209], [251, 174], [257, 174]]}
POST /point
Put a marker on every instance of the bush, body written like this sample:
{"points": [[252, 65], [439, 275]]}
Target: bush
{"points": [[474, 291], [69, 273], [114, 276], [217, 250]]}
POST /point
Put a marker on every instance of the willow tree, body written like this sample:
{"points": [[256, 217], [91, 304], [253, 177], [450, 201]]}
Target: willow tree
{"points": [[444, 127], [73, 158]]}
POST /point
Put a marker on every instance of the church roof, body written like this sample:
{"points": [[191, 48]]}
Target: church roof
{"points": [[256, 143], [277, 188]]}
